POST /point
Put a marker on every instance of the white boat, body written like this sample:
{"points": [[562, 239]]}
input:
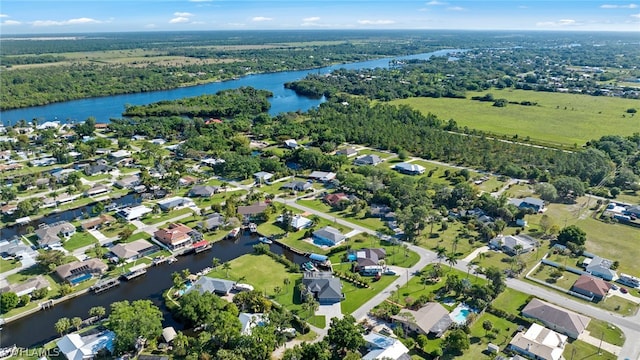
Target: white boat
{"points": [[265, 240], [234, 233]]}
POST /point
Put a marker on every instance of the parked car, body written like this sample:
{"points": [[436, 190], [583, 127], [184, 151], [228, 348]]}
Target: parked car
{"points": [[614, 287], [624, 290]]}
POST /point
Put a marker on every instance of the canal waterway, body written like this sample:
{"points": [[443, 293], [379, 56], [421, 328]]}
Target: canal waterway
{"points": [[284, 100], [38, 328]]}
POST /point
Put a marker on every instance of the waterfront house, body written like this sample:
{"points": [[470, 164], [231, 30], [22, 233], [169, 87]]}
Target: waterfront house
{"points": [[97, 189], [591, 287], [384, 347], [133, 213], [409, 169], [290, 144], [133, 250], [49, 235], [119, 155], [220, 287], [297, 222], [128, 182], [79, 271], [13, 248], [175, 236], [97, 169], [203, 191], [27, 287], [328, 236], [175, 203], [298, 185], [600, 267], [371, 160], [97, 222], [432, 318], [324, 287], [212, 222], [539, 342], [250, 212], [76, 347], [556, 318]]}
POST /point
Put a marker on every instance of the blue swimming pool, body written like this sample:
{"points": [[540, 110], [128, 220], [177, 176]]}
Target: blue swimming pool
{"points": [[460, 314], [79, 279]]}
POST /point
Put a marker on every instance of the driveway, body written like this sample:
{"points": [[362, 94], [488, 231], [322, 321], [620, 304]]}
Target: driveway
{"points": [[330, 311]]}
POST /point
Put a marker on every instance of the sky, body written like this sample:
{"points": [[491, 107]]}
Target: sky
{"points": [[79, 16]]}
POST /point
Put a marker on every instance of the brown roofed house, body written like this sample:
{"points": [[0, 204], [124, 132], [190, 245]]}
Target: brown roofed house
{"points": [[591, 287], [97, 222], [79, 271], [175, 236]]}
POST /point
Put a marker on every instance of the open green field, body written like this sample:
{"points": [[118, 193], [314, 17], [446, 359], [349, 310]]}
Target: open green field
{"points": [[356, 297], [611, 241], [358, 219], [566, 281], [6, 265], [564, 119], [158, 218], [78, 240]]}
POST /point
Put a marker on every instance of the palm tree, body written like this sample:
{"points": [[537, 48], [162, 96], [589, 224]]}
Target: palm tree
{"points": [[286, 283], [226, 266], [215, 262], [452, 259], [454, 244], [440, 252]]}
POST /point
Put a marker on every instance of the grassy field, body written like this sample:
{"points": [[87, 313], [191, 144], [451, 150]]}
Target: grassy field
{"points": [[580, 350], [78, 240], [6, 265], [564, 119], [463, 246], [565, 282], [158, 218], [610, 333], [396, 254], [358, 219], [356, 297]]}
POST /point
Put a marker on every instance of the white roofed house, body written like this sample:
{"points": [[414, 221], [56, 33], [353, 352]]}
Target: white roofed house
{"points": [[409, 169], [322, 176], [509, 243], [133, 213], [601, 267], [539, 342], [384, 347]]}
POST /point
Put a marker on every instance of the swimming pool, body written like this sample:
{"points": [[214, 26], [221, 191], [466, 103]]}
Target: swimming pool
{"points": [[79, 279], [460, 314]]}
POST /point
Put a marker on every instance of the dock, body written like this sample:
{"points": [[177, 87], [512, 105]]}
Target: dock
{"points": [[46, 305], [104, 285], [135, 271], [290, 248], [253, 228], [201, 246]]}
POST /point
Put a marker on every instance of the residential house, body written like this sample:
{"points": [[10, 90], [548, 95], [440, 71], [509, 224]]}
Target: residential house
{"points": [[212, 285], [79, 271], [262, 177], [556, 318], [539, 342], [322, 176], [249, 321], [47, 161], [432, 318], [175, 203], [61, 175], [328, 236], [13, 248], [187, 180], [336, 198], [290, 144], [298, 185], [8, 209], [297, 222], [591, 287], [97, 222], [119, 155], [49, 235], [371, 160], [203, 191], [133, 250], [509, 243], [348, 152], [601, 267], [128, 182], [97, 169], [211, 162], [532, 203], [175, 236], [409, 169], [366, 257], [377, 210], [384, 347], [27, 287], [633, 210], [97, 189], [48, 202], [325, 288], [212, 222], [76, 347], [133, 213], [250, 212]]}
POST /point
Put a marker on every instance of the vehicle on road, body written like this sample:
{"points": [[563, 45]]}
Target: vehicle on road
{"points": [[614, 287], [624, 290]]}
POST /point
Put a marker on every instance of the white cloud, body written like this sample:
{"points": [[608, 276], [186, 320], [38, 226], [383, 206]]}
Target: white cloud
{"points": [[182, 14], [637, 16], [261, 18], [11, 22], [615, 6], [179, 20], [559, 23], [3, 15], [436, 3], [311, 19], [376, 22], [78, 21], [456, 8]]}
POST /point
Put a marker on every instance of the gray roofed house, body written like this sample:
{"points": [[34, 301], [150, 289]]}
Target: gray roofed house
{"points": [[348, 152], [370, 159], [174, 202], [133, 250], [212, 285], [532, 203], [326, 288], [97, 189], [556, 318], [13, 247], [50, 234], [128, 182], [601, 267], [432, 318], [369, 257], [76, 270], [263, 177], [298, 185], [508, 243], [212, 221], [97, 169], [27, 287], [328, 236], [252, 210], [203, 191]]}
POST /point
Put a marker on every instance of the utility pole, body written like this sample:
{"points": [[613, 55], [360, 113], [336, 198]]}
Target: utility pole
{"points": [[600, 346]]}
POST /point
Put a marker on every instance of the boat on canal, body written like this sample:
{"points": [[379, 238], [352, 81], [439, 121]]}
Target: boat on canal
{"points": [[265, 240], [253, 228], [234, 233]]}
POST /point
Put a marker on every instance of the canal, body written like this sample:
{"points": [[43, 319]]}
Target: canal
{"points": [[38, 328]]}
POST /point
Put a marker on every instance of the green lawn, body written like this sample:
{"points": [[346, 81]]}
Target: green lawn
{"points": [[564, 119], [356, 297], [6, 265], [619, 305], [465, 243], [382, 155], [414, 288], [580, 350], [438, 175], [501, 334], [78, 240], [612, 334], [358, 219], [396, 254], [319, 321], [115, 228], [511, 301], [158, 218], [503, 261], [566, 281]]}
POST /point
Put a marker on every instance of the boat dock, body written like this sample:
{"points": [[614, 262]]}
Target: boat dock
{"points": [[135, 271], [292, 249], [201, 246], [105, 284], [164, 259]]}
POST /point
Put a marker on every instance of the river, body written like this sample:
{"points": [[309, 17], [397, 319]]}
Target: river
{"points": [[38, 328], [283, 100]]}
